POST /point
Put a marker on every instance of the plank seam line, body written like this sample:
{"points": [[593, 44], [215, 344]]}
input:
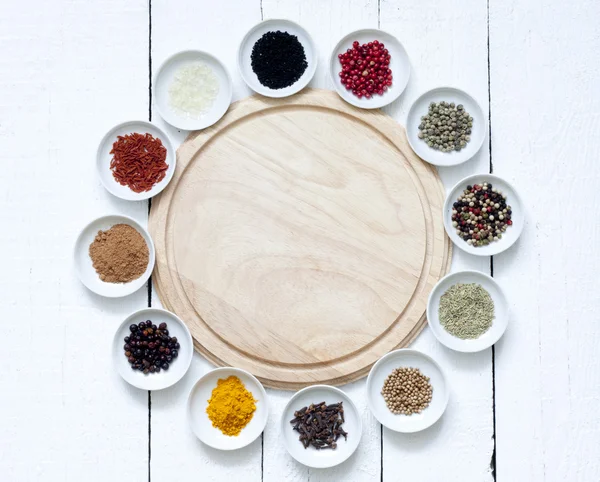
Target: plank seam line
{"points": [[262, 435], [381, 426], [493, 465], [381, 453], [149, 208]]}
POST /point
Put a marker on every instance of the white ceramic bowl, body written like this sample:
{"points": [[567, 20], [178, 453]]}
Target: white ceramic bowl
{"points": [[83, 263], [399, 63], [177, 368], [429, 368], [104, 158], [164, 77], [310, 456], [512, 199], [245, 51], [500, 311], [420, 107], [201, 424]]}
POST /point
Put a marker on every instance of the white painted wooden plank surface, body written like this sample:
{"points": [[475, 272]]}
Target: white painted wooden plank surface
{"points": [[69, 70], [447, 45], [176, 452], [545, 117]]}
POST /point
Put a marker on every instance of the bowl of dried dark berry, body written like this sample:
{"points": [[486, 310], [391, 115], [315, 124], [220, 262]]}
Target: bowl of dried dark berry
{"points": [[369, 68], [483, 215], [152, 349], [445, 126]]}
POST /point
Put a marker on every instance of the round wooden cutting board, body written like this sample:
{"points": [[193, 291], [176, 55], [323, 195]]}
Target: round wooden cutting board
{"points": [[299, 239]]}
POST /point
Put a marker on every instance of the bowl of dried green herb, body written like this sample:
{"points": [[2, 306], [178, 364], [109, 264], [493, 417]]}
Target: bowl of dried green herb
{"points": [[467, 311]]}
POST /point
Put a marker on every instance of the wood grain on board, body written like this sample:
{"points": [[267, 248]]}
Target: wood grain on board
{"points": [[300, 239]]}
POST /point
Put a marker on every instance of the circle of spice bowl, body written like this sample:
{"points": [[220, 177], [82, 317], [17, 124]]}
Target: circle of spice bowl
{"points": [[499, 323], [163, 81], [512, 233], [104, 158], [178, 366], [428, 367], [399, 65], [83, 263], [201, 424], [325, 457], [420, 107], [245, 52]]}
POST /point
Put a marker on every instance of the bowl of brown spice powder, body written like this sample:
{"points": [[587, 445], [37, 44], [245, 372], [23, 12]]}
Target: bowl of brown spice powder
{"points": [[114, 256]]}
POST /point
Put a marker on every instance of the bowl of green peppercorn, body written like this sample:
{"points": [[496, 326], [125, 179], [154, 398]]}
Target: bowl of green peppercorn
{"points": [[445, 126]]}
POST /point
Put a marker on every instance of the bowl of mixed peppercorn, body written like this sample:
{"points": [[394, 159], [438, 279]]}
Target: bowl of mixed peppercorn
{"points": [[152, 349], [483, 215]]}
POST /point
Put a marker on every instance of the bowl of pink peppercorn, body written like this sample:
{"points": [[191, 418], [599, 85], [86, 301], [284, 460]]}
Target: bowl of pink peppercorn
{"points": [[369, 68]]}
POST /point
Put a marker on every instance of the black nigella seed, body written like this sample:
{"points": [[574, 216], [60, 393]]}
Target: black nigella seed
{"points": [[278, 59]]}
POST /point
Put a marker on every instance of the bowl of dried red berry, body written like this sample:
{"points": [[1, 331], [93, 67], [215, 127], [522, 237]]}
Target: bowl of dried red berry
{"points": [[369, 68], [152, 349]]}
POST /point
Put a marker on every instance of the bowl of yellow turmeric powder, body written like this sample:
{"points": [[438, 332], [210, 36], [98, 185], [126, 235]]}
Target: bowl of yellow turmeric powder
{"points": [[227, 408]]}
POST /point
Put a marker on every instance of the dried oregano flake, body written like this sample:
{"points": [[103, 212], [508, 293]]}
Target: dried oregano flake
{"points": [[466, 311]]}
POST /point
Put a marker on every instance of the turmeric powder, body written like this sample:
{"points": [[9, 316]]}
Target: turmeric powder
{"points": [[231, 406]]}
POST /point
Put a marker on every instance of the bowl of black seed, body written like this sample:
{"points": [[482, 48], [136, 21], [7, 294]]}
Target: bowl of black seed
{"points": [[152, 349], [483, 215], [277, 58], [446, 126]]}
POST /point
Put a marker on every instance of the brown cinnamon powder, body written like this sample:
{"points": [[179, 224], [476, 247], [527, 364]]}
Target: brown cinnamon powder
{"points": [[120, 254]]}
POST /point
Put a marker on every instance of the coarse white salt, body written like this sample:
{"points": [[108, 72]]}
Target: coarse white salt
{"points": [[193, 90]]}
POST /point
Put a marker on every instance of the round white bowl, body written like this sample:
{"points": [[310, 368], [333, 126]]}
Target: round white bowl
{"points": [[429, 367], [177, 368], [310, 456], [164, 77], [500, 311], [245, 51], [83, 263], [512, 233], [201, 424], [399, 63], [420, 107], [103, 159]]}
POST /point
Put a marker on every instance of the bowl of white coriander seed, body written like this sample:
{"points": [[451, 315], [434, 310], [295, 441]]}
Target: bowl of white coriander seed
{"points": [[407, 391], [445, 126]]}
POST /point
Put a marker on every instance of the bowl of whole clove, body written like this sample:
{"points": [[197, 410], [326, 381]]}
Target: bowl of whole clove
{"points": [[152, 349], [321, 426]]}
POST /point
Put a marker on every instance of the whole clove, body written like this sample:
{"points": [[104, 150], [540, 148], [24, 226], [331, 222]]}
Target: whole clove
{"points": [[320, 425]]}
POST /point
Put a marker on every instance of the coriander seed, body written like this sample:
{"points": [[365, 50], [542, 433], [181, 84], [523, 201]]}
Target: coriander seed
{"points": [[406, 391]]}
